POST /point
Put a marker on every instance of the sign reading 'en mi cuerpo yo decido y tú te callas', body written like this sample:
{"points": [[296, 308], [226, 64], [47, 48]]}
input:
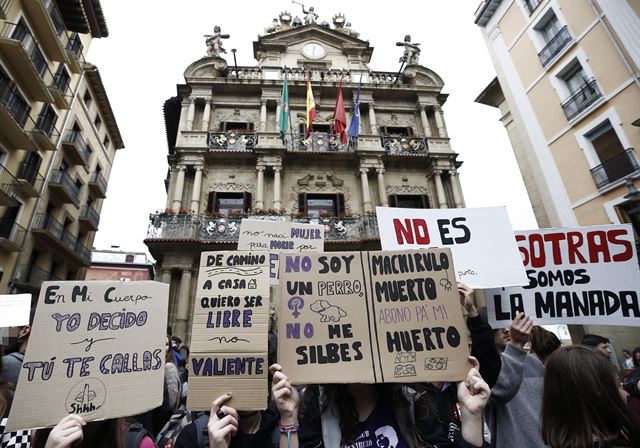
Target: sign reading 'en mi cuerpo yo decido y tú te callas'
{"points": [[371, 317], [96, 349]]}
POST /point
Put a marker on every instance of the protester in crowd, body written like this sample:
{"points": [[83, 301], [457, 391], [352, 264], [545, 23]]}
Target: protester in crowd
{"points": [[631, 385], [12, 362], [543, 343], [513, 411], [636, 357], [597, 342], [483, 347], [391, 415], [73, 431], [627, 359], [581, 406], [6, 393]]}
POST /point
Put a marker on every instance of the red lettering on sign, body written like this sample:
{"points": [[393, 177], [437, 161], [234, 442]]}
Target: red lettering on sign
{"points": [[411, 230]]}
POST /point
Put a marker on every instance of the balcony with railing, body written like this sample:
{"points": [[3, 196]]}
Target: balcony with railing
{"points": [[47, 21], [21, 52], [581, 99], [75, 147], [98, 185], [403, 145], [63, 189], [232, 140], [89, 219], [8, 185], [30, 278], [319, 142], [183, 227], [74, 51], [616, 168], [555, 45], [531, 5], [30, 182], [61, 89], [319, 76], [12, 235], [49, 231]]}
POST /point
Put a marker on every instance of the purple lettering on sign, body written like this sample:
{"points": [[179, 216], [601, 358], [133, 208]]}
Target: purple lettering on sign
{"points": [[295, 304]]}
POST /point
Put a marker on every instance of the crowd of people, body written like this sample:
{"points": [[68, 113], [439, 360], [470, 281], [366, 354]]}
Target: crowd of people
{"points": [[524, 389]]}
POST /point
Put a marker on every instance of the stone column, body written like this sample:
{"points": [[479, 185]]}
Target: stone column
{"points": [[165, 275], [366, 197], [207, 115], [191, 114], [183, 304], [372, 119], [260, 187], [177, 192], [197, 185], [425, 121], [277, 200], [442, 131], [170, 189], [442, 197], [457, 190], [382, 192], [263, 115]]}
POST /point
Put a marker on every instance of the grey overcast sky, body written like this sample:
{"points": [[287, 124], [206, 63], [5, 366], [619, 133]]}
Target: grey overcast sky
{"points": [[152, 42]]}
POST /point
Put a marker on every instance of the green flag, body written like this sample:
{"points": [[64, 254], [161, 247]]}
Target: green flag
{"points": [[284, 109]]}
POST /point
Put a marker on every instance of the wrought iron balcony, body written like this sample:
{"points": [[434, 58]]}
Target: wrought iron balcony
{"points": [[63, 188], [395, 145], [616, 168], [555, 45], [76, 148], [31, 277], [29, 180], [12, 235], [531, 5], [98, 185], [232, 140], [320, 142], [46, 19], [89, 218], [582, 98], [227, 229], [52, 232], [8, 185], [15, 105], [83, 253], [74, 50]]}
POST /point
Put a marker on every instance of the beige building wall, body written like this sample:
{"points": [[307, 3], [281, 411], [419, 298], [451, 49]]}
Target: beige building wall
{"points": [[555, 115]]}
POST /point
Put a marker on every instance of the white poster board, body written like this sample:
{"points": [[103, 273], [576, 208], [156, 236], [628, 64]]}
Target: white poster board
{"points": [[481, 240], [14, 310], [584, 275]]}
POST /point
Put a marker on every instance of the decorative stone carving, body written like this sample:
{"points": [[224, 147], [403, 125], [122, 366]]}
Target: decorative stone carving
{"points": [[214, 42], [411, 51], [232, 186], [311, 183], [410, 189]]}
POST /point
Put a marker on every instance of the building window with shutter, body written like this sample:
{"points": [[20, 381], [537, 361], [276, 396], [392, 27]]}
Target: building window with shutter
{"points": [[317, 205], [409, 201], [229, 204]]}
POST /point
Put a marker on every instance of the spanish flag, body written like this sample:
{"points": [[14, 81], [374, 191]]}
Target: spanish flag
{"points": [[311, 106]]}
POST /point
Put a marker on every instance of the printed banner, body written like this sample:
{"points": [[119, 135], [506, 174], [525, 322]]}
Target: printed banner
{"points": [[279, 236], [230, 327], [371, 317], [14, 310], [584, 275], [96, 349], [480, 239]]}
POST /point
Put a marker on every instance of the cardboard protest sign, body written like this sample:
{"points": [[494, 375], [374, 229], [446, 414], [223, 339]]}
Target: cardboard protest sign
{"points": [[279, 236], [480, 239], [14, 309], [230, 327], [584, 275], [371, 317], [96, 349]]}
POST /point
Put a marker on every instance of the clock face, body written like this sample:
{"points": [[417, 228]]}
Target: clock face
{"points": [[313, 50]]}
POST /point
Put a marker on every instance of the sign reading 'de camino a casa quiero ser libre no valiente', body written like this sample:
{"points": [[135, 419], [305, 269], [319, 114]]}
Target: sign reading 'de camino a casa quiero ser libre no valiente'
{"points": [[229, 333], [96, 349], [585, 275], [371, 317]]}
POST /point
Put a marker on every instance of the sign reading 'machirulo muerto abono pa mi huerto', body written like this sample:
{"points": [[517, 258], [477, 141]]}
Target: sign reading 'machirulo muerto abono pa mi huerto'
{"points": [[96, 349]]}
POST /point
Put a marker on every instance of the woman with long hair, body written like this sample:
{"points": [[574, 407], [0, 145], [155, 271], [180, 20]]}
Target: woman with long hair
{"points": [[581, 403], [543, 343]]}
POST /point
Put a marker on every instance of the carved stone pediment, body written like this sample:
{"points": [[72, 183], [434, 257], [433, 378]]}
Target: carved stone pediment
{"points": [[208, 67], [232, 186], [421, 76], [320, 183]]}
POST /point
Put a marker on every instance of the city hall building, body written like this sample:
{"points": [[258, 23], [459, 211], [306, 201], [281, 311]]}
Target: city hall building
{"points": [[226, 158]]}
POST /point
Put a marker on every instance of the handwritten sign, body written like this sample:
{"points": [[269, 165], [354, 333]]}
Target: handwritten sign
{"points": [[96, 349], [480, 239], [277, 237], [371, 317], [585, 275], [230, 326], [14, 309]]}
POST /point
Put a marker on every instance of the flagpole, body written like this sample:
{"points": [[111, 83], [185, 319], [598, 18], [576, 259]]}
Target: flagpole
{"points": [[290, 125]]}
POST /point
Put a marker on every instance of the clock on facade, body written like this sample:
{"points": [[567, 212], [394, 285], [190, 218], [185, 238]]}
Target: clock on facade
{"points": [[313, 50]]}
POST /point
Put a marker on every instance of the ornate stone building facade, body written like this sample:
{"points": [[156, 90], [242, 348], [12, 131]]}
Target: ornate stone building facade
{"points": [[226, 159], [58, 140]]}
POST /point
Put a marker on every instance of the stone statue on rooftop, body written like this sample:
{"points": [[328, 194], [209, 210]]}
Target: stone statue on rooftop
{"points": [[280, 25], [214, 42], [310, 15], [411, 50]]}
